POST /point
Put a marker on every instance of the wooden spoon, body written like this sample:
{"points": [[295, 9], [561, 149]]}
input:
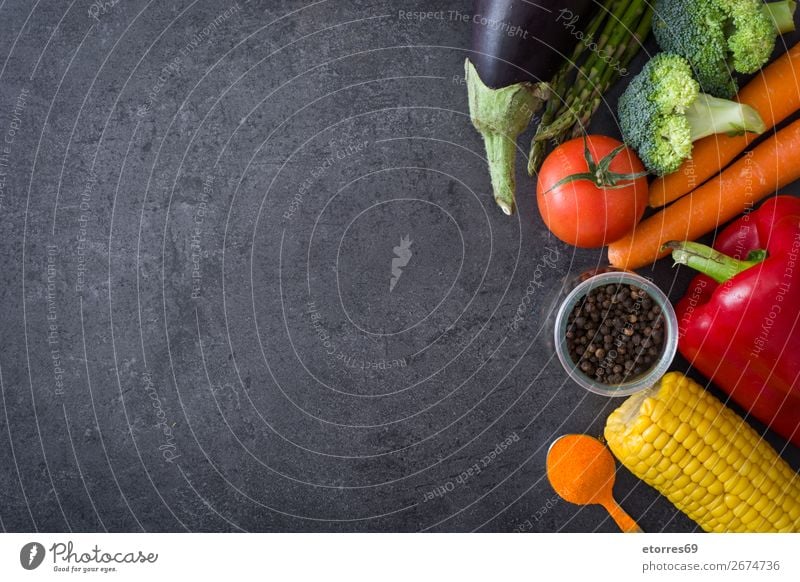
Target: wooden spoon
{"points": [[581, 470]]}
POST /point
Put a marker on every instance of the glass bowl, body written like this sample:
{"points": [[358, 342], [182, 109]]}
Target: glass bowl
{"points": [[637, 383]]}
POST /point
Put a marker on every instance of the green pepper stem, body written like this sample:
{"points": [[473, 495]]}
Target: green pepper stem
{"points": [[781, 14], [713, 263]]}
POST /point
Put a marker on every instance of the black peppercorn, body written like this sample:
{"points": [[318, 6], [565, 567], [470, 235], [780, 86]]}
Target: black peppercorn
{"points": [[615, 333]]}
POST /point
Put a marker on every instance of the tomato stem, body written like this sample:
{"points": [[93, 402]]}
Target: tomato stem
{"points": [[599, 172]]}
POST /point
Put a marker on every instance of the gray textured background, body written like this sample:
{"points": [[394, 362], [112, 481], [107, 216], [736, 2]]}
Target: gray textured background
{"points": [[268, 164]]}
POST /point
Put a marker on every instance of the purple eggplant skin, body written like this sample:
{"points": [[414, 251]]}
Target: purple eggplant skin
{"points": [[524, 40]]}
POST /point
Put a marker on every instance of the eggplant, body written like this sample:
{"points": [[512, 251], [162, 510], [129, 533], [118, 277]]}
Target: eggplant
{"points": [[517, 46]]}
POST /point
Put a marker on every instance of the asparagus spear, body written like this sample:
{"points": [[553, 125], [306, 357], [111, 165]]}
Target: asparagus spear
{"points": [[624, 60], [588, 78], [626, 40], [595, 76], [560, 82]]}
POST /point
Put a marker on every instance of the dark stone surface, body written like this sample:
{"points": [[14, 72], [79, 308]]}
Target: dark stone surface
{"points": [[269, 161]]}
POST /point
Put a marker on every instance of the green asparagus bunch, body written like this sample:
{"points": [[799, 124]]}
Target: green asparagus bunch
{"points": [[609, 43]]}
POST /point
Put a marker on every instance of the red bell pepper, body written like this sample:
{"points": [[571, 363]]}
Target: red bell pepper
{"points": [[739, 323]]}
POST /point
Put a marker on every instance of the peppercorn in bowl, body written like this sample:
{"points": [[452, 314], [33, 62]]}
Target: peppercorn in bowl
{"points": [[616, 333]]}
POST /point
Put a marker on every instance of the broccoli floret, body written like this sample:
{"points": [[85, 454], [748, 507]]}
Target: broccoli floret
{"points": [[720, 37], [662, 112]]}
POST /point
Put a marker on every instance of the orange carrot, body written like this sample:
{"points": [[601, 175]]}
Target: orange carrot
{"points": [[772, 164], [775, 94]]}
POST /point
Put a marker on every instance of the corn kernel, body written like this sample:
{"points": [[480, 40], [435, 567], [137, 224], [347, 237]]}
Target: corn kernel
{"points": [[682, 432], [672, 472], [698, 447], [707, 479], [670, 423], [719, 510], [699, 475], [750, 516], [697, 494], [773, 473], [739, 486], [692, 467], [679, 453], [707, 499], [783, 522], [641, 424], [691, 440], [661, 441], [682, 481], [761, 503], [650, 433], [712, 436], [774, 513], [704, 454], [646, 451], [711, 462], [716, 488], [731, 500], [724, 448], [663, 464], [735, 459], [727, 474], [669, 449], [702, 428], [658, 411], [748, 493], [739, 510], [794, 512]]}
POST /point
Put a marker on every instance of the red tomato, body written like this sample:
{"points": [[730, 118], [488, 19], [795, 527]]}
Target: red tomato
{"points": [[582, 212]]}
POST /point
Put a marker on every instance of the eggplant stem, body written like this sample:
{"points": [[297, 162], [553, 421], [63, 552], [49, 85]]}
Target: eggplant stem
{"points": [[500, 115], [500, 153]]}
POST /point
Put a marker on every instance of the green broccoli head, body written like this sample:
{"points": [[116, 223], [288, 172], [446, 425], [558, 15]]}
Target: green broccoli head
{"points": [[720, 37], [695, 29], [652, 112], [753, 35], [669, 143], [662, 112]]}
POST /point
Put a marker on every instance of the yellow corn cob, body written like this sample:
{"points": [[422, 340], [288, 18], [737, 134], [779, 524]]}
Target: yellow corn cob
{"points": [[705, 459]]}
